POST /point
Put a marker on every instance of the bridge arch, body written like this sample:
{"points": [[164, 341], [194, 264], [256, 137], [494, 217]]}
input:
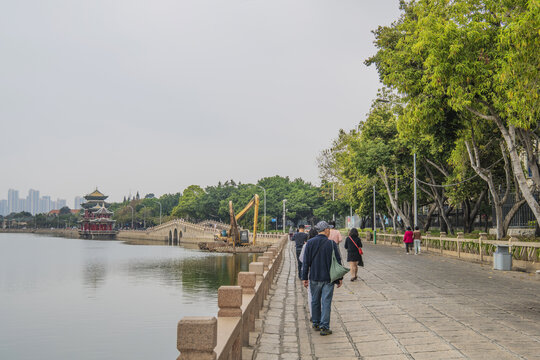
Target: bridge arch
{"points": [[175, 236], [170, 236]]}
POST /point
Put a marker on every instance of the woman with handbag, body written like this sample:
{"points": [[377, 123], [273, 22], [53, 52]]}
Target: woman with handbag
{"points": [[353, 244]]}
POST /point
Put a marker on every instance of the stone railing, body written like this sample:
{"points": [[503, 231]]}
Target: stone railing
{"points": [[223, 338], [525, 254]]}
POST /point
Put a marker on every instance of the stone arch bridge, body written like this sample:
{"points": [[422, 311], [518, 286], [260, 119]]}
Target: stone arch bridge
{"points": [[176, 231]]}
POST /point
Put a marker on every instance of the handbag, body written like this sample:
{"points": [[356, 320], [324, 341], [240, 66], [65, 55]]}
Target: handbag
{"points": [[337, 271], [359, 249]]}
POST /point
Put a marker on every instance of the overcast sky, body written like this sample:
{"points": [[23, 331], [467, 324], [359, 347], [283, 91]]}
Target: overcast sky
{"points": [[157, 95]]}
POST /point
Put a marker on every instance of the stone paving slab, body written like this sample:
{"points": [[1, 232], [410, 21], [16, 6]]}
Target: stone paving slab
{"points": [[407, 307]]}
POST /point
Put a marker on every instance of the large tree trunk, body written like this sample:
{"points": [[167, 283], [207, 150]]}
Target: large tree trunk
{"points": [[382, 222], [487, 176], [509, 137], [427, 224], [393, 202], [439, 201], [470, 214], [511, 214]]}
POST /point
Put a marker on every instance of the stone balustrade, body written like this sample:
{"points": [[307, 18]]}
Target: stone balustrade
{"points": [[224, 337]]}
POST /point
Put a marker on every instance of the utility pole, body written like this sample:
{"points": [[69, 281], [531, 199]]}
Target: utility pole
{"points": [[415, 204], [374, 218], [284, 213]]}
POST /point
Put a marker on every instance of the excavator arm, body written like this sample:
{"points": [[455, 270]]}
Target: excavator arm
{"points": [[234, 233]]}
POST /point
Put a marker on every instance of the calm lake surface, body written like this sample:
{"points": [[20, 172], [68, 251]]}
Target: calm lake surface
{"points": [[85, 299]]}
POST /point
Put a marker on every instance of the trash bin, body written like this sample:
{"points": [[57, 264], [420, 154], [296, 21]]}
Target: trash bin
{"points": [[502, 259]]}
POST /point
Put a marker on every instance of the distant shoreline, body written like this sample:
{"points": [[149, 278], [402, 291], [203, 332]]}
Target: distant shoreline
{"points": [[69, 233]]}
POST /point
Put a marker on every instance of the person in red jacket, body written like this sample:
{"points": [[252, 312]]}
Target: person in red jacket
{"points": [[408, 239]]}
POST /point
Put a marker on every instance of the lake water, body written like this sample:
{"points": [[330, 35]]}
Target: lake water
{"points": [[85, 299]]}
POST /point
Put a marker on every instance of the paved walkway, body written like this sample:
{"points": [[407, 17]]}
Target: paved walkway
{"points": [[408, 307]]}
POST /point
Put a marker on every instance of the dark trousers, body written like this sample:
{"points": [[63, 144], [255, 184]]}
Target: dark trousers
{"points": [[408, 246], [298, 251]]}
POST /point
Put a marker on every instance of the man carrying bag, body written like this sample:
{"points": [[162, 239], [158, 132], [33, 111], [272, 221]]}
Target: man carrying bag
{"points": [[319, 253]]}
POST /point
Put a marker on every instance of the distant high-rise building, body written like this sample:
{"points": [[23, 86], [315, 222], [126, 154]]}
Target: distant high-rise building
{"points": [[60, 203], [3, 207], [44, 204], [32, 201], [13, 201], [77, 202], [22, 205]]}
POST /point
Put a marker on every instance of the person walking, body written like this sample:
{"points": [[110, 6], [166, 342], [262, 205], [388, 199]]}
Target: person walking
{"points": [[312, 233], [334, 233], [353, 244], [299, 239], [417, 236], [316, 265], [408, 239]]}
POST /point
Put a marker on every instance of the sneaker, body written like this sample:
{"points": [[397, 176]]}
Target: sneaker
{"points": [[316, 327], [325, 332]]}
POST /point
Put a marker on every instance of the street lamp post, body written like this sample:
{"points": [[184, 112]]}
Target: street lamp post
{"points": [[129, 206], [264, 225], [159, 210], [284, 212]]}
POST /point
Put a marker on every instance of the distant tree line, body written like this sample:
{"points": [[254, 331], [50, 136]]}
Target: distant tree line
{"points": [[306, 203]]}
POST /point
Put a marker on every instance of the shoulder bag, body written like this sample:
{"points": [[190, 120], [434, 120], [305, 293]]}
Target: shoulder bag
{"points": [[337, 271], [359, 249]]}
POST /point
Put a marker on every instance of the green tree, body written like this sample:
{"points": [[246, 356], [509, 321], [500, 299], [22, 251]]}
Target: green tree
{"points": [[480, 58], [189, 204]]}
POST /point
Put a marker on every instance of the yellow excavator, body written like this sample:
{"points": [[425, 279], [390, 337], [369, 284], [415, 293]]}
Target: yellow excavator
{"points": [[234, 235]]}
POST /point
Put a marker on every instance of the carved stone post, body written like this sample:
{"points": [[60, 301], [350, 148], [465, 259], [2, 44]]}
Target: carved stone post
{"points": [[230, 301], [247, 281], [265, 260], [197, 338], [258, 269], [269, 255]]}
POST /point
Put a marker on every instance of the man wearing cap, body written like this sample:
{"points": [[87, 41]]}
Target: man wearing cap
{"points": [[300, 239], [317, 261]]}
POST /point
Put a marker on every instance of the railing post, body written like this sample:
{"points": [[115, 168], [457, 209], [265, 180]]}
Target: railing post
{"points": [[265, 260], [247, 281], [230, 301], [460, 235], [483, 237], [269, 255], [258, 269], [230, 305], [197, 338], [443, 234]]}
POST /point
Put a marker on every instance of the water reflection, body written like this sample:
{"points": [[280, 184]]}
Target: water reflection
{"points": [[94, 274]]}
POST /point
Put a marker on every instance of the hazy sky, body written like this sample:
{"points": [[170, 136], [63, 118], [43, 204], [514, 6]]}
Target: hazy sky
{"points": [[157, 95]]}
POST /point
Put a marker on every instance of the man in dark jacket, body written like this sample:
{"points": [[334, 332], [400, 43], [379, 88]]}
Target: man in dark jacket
{"points": [[317, 261], [300, 239]]}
